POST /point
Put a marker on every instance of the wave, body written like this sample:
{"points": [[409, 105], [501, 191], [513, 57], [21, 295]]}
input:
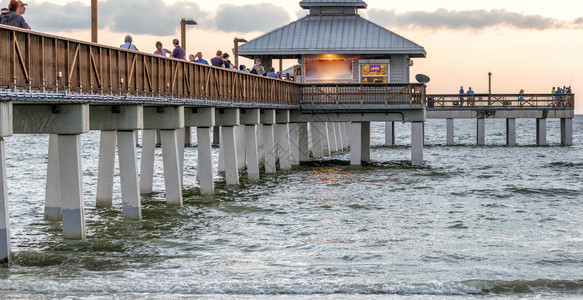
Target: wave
{"points": [[79, 287]]}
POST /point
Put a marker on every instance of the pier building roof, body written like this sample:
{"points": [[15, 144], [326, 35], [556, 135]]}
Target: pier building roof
{"points": [[332, 27]]}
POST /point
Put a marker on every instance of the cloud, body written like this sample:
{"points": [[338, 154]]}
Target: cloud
{"points": [[153, 17], [150, 16], [467, 19], [250, 17], [132, 16], [46, 16]]}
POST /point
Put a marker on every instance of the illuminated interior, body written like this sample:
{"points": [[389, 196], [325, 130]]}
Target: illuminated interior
{"points": [[328, 69], [374, 73]]}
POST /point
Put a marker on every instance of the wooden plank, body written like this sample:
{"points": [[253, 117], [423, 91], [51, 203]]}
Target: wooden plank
{"points": [[72, 66], [97, 73], [147, 73], [21, 60], [133, 66]]}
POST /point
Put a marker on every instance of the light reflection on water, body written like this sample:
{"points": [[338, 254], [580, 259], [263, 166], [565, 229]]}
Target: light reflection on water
{"points": [[483, 221]]}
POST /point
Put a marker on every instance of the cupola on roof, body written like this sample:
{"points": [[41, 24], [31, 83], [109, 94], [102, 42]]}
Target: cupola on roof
{"points": [[320, 3]]}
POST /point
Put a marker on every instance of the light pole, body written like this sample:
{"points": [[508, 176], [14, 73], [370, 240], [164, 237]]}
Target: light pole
{"points": [[489, 89], [94, 21], [236, 42], [183, 23]]}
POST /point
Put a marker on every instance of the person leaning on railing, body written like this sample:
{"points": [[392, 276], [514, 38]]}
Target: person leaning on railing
{"points": [[13, 17]]}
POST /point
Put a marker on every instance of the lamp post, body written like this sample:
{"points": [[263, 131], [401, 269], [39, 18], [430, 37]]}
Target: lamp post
{"points": [[236, 42], [94, 21], [489, 89], [183, 23]]}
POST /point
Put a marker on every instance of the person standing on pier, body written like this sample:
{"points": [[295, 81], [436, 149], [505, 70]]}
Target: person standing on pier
{"points": [[199, 59], [461, 96], [218, 61], [128, 44], [13, 17], [178, 51], [470, 93], [160, 50], [258, 67], [272, 74]]}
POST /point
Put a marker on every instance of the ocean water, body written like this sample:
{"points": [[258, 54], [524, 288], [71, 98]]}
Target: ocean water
{"points": [[472, 222]]}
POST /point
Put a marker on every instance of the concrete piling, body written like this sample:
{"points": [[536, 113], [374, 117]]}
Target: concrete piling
{"points": [[53, 187], [128, 169], [107, 145]]}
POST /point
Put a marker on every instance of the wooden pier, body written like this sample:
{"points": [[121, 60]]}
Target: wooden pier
{"points": [[65, 88]]}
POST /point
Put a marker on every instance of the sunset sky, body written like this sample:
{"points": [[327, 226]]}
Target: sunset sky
{"points": [[530, 45]]}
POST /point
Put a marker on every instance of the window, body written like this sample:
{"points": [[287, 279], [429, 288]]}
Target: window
{"points": [[374, 73]]}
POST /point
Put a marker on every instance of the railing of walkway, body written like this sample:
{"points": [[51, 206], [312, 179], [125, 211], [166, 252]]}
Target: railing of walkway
{"points": [[39, 62], [518, 101], [363, 94]]}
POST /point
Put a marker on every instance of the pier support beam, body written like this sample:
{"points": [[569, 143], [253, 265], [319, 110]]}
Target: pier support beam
{"points": [[6, 129], [303, 142], [73, 209], [216, 135], [449, 124], [203, 119], [283, 139], [169, 120], [171, 164], [332, 144], [338, 132], [566, 131], [389, 133], [118, 125], [69, 121], [269, 148], [251, 152], [230, 151], [347, 134], [221, 162], [294, 143], [205, 162], [541, 131], [240, 139], [107, 144], [365, 141], [511, 132], [481, 132], [268, 119], [355, 144], [229, 120], [251, 118], [53, 188], [187, 136], [318, 135], [283, 146], [128, 170], [4, 209], [147, 161], [416, 143]]}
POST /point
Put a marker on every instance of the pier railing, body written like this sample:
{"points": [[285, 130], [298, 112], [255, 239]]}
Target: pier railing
{"points": [[33, 61], [363, 94], [510, 101]]}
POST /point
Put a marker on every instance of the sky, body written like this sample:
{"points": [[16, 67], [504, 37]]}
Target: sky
{"points": [[530, 45]]}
